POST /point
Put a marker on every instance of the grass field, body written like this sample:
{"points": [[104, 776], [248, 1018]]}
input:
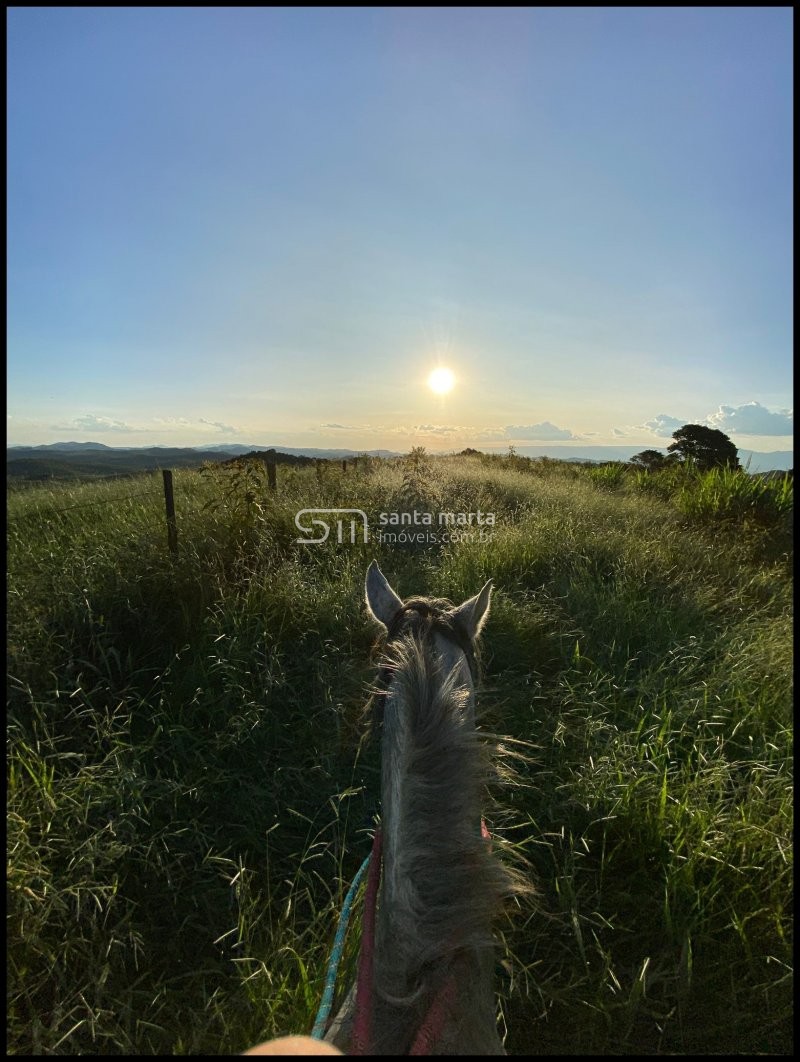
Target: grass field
{"points": [[187, 800]]}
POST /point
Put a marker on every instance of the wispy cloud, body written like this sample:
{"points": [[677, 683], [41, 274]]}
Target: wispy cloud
{"points": [[491, 435], [437, 429], [195, 424], [174, 422], [752, 419], [224, 429], [544, 432], [91, 422], [422, 429]]}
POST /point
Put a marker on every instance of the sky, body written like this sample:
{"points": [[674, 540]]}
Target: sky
{"points": [[270, 225]]}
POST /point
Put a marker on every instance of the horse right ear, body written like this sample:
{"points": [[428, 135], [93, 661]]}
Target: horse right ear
{"points": [[473, 613], [382, 602]]}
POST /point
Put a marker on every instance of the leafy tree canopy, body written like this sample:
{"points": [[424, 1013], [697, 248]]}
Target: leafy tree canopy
{"points": [[649, 459], [707, 447]]}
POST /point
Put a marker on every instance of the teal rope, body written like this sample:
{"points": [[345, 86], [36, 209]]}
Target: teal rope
{"points": [[318, 1031]]}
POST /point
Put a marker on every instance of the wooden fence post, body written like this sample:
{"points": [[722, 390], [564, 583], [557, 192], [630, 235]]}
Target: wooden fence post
{"points": [[344, 466], [272, 482], [172, 527]]}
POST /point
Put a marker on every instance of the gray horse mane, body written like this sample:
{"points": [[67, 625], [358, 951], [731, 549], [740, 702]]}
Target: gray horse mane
{"points": [[459, 883], [453, 883], [420, 618]]}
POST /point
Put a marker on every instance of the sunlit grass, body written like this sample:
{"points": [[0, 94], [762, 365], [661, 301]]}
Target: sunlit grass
{"points": [[186, 804]]}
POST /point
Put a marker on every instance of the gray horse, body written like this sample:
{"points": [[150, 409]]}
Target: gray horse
{"points": [[443, 884]]}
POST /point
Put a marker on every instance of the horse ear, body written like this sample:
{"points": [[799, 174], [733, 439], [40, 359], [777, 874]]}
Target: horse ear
{"points": [[382, 602], [473, 613]]}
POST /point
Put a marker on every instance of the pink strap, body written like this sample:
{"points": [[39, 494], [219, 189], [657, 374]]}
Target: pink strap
{"points": [[361, 1038]]}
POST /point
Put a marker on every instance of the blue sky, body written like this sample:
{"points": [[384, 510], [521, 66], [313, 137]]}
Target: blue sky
{"points": [[269, 225]]}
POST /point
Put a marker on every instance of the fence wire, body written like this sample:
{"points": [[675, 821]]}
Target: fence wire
{"points": [[53, 510]]}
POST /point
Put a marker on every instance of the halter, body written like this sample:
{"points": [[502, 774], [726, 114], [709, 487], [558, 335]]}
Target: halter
{"points": [[439, 621]]}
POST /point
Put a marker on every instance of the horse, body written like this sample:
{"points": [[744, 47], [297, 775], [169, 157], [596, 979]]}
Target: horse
{"points": [[428, 988]]}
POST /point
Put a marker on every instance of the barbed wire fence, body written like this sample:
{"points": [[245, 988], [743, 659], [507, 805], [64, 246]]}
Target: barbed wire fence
{"points": [[167, 490]]}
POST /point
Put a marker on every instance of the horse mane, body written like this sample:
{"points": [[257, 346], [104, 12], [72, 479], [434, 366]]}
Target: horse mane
{"points": [[419, 618], [448, 884], [459, 886]]}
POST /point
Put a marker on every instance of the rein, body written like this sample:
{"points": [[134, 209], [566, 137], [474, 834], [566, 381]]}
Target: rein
{"points": [[362, 1025], [318, 1031]]}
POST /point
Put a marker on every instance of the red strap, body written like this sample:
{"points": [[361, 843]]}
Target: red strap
{"points": [[431, 1028]]}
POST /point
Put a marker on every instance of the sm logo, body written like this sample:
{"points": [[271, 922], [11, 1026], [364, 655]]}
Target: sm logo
{"points": [[308, 519]]}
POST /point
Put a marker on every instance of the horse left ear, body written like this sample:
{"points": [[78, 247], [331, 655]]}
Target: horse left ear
{"points": [[382, 602], [472, 615]]}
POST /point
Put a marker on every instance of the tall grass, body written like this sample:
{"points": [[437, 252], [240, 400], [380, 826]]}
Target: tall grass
{"points": [[188, 800], [725, 494]]}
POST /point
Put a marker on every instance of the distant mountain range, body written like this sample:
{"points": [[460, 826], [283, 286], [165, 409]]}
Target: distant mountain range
{"points": [[82, 459], [72, 460], [234, 450], [66, 446], [231, 449]]}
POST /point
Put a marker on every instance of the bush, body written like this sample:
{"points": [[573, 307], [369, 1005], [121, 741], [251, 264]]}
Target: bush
{"points": [[608, 477]]}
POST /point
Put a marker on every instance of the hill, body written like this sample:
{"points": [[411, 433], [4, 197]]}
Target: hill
{"points": [[69, 446], [35, 463]]}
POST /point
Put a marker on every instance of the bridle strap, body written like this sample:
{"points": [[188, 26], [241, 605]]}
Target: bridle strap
{"points": [[431, 1028]]}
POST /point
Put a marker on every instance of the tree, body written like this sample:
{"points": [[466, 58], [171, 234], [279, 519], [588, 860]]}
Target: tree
{"points": [[707, 447], [649, 460]]}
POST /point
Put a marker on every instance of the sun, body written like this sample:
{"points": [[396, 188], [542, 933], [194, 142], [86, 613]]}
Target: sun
{"points": [[441, 381]]}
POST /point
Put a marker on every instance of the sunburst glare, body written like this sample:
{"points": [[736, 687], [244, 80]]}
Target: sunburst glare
{"points": [[441, 381]]}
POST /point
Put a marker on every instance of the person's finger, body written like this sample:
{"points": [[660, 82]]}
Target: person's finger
{"points": [[294, 1045]]}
